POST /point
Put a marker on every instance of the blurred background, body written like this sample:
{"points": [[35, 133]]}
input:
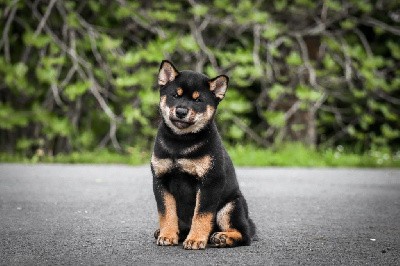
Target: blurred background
{"points": [[313, 80]]}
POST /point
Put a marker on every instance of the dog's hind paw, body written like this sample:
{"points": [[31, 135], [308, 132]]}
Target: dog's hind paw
{"points": [[226, 239]]}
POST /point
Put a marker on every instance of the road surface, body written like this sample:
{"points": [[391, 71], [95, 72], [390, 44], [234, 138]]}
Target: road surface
{"points": [[106, 215]]}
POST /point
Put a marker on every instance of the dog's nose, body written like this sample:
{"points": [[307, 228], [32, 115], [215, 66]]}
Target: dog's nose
{"points": [[181, 112]]}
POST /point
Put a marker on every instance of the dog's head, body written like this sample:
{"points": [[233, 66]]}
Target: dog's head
{"points": [[188, 99]]}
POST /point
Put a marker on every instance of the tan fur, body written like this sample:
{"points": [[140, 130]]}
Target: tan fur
{"points": [[200, 120], [224, 216], [200, 229], [179, 91], [167, 73], [192, 149], [195, 95], [229, 235], [160, 166], [197, 167], [203, 118], [168, 222], [228, 238], [219, 86]]}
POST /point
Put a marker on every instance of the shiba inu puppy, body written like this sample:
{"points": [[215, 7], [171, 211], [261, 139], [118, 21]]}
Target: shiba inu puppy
{"points": [[194, 181]]}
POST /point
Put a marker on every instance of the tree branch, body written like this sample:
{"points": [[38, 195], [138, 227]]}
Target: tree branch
{"points": [[377, 23], [4, 40]]}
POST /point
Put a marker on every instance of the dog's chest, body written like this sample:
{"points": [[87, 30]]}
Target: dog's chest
{"points": [[197, 167]]}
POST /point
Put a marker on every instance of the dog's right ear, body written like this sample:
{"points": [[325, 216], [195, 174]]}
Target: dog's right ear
{"points": [[167, 73]]}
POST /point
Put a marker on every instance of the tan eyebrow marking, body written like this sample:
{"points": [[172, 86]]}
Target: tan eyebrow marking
{"points": [[195, 95], [179, 91]]}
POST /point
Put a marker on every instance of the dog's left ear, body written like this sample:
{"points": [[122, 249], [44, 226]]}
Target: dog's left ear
{"points": [[219, 85], [167, 73]]}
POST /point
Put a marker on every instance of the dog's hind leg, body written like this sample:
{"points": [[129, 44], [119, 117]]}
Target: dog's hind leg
{"points": [[236, 228]]}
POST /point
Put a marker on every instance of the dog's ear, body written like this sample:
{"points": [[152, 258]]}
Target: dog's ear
{"points": [[167, 73], [219, 85]]}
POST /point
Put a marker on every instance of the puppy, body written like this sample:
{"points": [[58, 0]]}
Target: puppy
{"points": [[194, 181]]}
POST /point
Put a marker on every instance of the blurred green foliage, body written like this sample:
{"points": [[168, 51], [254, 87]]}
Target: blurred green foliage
{"points": [[80, 75]]}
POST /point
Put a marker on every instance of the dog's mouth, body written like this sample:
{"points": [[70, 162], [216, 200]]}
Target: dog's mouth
{"points": [[180, 123]]}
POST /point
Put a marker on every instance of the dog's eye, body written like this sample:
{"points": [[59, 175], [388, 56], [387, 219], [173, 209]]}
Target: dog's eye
{"points": [[175, 95], [197, 100]]}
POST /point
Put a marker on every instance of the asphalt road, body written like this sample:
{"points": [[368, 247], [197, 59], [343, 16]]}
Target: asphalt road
{"points": [[102, 215]]}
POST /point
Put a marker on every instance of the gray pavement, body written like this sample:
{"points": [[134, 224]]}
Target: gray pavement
{"points": [[106, 215]]}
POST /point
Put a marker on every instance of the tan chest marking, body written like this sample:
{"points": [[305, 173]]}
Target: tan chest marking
{"points": [[161, 166], [197, 167]]}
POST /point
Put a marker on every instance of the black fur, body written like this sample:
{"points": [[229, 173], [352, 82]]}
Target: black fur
{"points": [[218, 186]]}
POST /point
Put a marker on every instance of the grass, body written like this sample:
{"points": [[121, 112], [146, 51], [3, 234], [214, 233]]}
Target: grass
{"points": [[290, 154], [91, 157], [296, 154]]}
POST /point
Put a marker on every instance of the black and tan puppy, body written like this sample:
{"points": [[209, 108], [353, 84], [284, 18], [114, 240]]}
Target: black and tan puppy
{"points": [[194, 181]]}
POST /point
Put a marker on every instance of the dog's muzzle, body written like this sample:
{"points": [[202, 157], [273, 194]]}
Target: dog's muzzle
{"points": [[181, 112]]}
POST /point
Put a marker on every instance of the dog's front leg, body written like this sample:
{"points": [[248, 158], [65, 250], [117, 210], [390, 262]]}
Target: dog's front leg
{"points": [[168, 218], [168, 233], [202, 222]]}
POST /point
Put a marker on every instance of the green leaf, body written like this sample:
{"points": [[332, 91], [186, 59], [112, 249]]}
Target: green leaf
{"points": [[298, 127], [394, 48], [85, 139], [46, 74], [270, 32], [163, 15], [131, 58], [188, 43], [259, 17], [235, 132], [329, 63], [108, 43], [38, 41], [24, 144], [199, 10], [20, 70], [277, 90], [333, 5], [280, 5], [294, 59], [51, 61], [348, 24], [275, 118], [307, 3], [364, 6], [389, 132], [11, 118], [74, 90], [126, 81], [73, 20], [304, 92], [135, 115]]}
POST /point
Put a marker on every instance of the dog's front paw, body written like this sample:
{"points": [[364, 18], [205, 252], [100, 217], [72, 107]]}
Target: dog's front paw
{"points": [[167, 239], [194, 244]]}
